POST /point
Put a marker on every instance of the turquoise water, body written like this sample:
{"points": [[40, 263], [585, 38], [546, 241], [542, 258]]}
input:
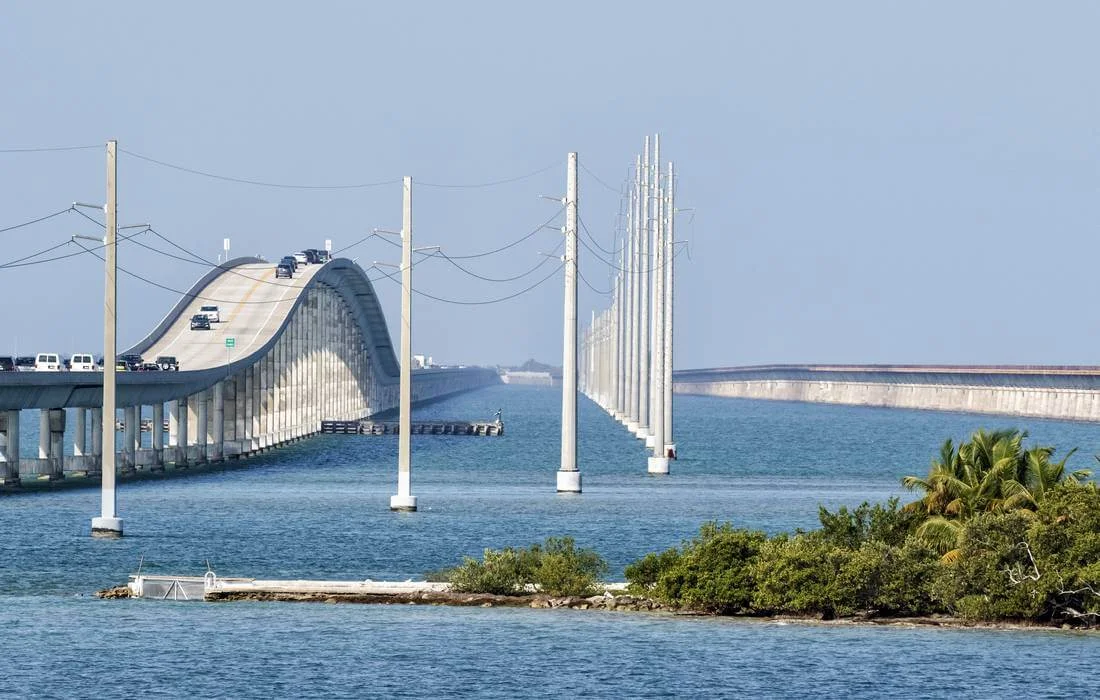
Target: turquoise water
{"points": [[319, 509]]}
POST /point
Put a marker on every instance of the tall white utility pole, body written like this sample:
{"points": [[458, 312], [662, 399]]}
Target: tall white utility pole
{"points": [[635, 253], [620, 336], [643, 298], [569, 477], [656, 401], [108, 524], [658, 463], [404, 500], [670, 257]]}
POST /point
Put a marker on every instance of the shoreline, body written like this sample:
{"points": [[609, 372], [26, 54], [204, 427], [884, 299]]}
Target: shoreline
{"points": [[606, 602]]}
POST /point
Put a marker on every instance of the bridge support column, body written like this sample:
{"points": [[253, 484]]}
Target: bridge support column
{"points": [[131, 434], [96, 466], [80, 432], [157, 441], [202, 425], [50, 469], [217, 443], [240, 416], [9, 448], [252, 379], [179, 406]]}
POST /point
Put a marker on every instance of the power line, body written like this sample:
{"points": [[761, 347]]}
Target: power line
{"points": [[616, 190], [513, 243], [589, 284], [483, 302], [471, 273], [35, 221], [593, 238], [258, 183], [488, 184], [19, 261], [45, 149]]}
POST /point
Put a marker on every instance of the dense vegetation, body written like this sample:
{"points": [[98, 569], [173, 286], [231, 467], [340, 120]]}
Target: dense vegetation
{"points": [[1000, 533]]}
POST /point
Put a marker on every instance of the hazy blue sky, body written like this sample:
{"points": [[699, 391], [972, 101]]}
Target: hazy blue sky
{"points": [[874, 181]]}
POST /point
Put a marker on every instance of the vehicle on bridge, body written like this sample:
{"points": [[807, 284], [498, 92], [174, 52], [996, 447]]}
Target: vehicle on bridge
{"points": [[284, 270], [168, 363], [24, 363], [301, 258], [150, 367], [47, 362], [132, 362], [82, 362], [7, 363], [199, 322], [212, 313], [289, 260]]}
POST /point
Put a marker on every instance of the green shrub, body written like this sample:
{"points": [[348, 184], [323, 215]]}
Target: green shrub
{"points": [[868, 523], [557, 568], [887, 580], [799, 575]]}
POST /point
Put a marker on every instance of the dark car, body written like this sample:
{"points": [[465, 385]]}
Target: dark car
{"points": [[199, 322], [313, 256], [24, 363], [289, 260], [133, 362], [7, 363], [168, 363], [284, 270], [150, 367]]}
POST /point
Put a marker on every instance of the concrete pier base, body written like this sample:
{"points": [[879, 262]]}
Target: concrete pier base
{"points": [[632, 426], [641, 432], [650, 441], [106, 527], [569, 481], [401, 503], [658, 465]]}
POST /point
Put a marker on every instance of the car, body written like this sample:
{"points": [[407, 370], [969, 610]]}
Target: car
{"points": [[212, 313], [82, 362], [199, 322], [289, 260], [122, 366], [149, 367], [47, 362], [133, 361], [302, 258], [24, 363], [168, 363], [284, 270], [7, 363]]}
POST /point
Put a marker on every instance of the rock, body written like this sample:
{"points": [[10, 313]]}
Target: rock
{"points": [[115, 592]]}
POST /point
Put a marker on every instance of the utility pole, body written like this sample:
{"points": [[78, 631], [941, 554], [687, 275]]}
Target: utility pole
{"points": [[656, 363], [658, 463], [670, 257], [108, 524], [404, 500], [569, 477], [643, 297], [635, 312]]}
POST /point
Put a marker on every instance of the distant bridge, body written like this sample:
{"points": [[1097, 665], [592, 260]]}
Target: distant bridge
{"points": [[304, 350], [1058, 392]]}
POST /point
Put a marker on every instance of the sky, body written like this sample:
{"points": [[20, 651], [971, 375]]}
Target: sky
{"points": [[872, 182]]}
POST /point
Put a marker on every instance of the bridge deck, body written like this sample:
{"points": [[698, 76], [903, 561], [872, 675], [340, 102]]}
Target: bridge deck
{"points": [[252, 305]]}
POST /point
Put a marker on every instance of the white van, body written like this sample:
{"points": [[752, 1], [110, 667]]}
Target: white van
{"points": [[47, 362], [82, 363], [212, 313]]}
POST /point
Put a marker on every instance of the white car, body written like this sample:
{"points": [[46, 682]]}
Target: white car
{"points": [[301, 259], [82, 362], [212, 313], [47, 362]]}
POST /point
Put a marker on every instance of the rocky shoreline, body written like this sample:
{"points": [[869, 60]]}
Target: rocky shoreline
{"points": [[606, 602]]}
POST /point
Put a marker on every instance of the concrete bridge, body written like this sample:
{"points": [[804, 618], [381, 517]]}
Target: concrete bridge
{"points": [[1058, 392], [304, 350]]}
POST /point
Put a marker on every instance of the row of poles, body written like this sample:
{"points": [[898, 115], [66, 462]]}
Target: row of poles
{"points": [[627, 349]]}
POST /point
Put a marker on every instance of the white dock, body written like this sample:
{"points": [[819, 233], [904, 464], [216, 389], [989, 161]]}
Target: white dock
{"points": [[159, 587]]}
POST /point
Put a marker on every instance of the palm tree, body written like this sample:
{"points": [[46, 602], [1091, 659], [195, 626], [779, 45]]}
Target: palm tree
{"points": [[992, 472]]}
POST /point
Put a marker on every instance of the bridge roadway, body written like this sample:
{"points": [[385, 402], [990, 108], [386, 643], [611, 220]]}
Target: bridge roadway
{"points": [[253, 305], [1056, 392]]}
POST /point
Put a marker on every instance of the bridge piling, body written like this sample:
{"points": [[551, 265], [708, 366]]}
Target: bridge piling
{"points": [[9, 448]]}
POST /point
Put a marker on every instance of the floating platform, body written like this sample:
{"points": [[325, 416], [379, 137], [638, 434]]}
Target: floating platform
{"points": [[213, 587], [444, 427]]}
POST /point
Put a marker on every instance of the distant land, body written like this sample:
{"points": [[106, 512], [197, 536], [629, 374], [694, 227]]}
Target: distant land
{"points": [[531, 372]]}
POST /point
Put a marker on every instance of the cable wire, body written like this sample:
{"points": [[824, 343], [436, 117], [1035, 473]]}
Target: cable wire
{"points": [[592, 238], [35, 221], [471, 273], [513, 243], [259, 183], [589, 284], [45, 149], [478, 303], [616, 190], [488, 184]]}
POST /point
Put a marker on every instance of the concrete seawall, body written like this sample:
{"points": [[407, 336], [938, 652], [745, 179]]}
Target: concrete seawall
{"points": [[1063, 393]]}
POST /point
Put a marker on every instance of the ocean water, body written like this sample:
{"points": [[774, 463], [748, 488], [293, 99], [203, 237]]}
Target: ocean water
{"points": [[319, 509]]}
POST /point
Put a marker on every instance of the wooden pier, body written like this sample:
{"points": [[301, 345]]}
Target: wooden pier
{"points": [[443, 427]]}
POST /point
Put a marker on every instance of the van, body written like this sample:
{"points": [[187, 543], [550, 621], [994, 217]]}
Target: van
{"points": [[212, 313], [7, 363], [47, 362], [82, 362]]}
